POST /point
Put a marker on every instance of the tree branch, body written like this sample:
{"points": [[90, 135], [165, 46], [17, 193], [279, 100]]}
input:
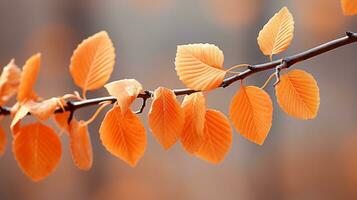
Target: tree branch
{"points": [[286, 62]]}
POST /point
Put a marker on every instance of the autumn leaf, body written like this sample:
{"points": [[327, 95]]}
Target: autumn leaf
{"points": [[349, 7], [166, 117], [81, 146], [9, 82], [125, 91], [277, 34], [217, 138], [3, 141], [28, 79], [194, 106], [37, 149], [20, 114], [298, 94], [44, 109], [251, 112], [200, 66], [62, 120], [123, 135], [93, 61]]}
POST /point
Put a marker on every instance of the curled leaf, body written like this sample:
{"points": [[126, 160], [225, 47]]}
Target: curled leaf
{"points": [[3, 141], [93, 61], [62, 120], [200, 66], [349, 7], [20, 114], [43, 110], [9, 82], [277, 34], [251, 112], [194, 106], [81, 146], [28, 78], [166, 117], [125, 91], [217, 139], [298, 94], [37, 149], [123, 135]]}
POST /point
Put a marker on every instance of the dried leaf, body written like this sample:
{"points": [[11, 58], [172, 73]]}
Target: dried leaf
{"points": [[200, 66], [3, 141], [194, 106], [251, 112], [81, 146], [28, 79], [349, 7], [93, 61], [217, 139], [166, 117], [43, 110], [277, 34], [123, 135], [298, 94], [125, 91], [37, 149], [9, 82]]}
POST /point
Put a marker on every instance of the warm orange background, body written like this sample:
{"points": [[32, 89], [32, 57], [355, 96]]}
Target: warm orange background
{"points": [[300, 159]]}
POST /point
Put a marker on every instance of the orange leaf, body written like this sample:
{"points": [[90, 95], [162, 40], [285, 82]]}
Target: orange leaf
{"points": [[194, 106], [251, 112], [20, 114], [62, 120], [349, 7], [9, 82], [166, 117], [125, 91], [81, 146], [43, 110], [38, 150], [3, 141], [277, 34], [93, 61], [217, 139], [298, 94], [28, 78], [123, 135], [200, 66]]}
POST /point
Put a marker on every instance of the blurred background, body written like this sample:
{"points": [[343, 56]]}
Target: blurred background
{"points": [[314, 159]]}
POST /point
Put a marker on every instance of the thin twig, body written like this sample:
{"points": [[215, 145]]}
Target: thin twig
{"points": [[350, 37]]}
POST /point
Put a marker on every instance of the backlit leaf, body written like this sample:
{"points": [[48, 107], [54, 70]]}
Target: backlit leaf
{"points": [[62, 120], [349, 7], [217, 139], [9, 82], [194, 106], [81, 146], [28, 78], [93, 61], [298, 94], [125, 91], [3, 141], [37, 149], [166, 117], [277, 34], [200, 66], [123, 135], [251, 112], [20, 114]]}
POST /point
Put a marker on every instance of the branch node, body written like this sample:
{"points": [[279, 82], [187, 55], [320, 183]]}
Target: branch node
{"points": [[277, 72], [349, 34], [251, 67]]}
